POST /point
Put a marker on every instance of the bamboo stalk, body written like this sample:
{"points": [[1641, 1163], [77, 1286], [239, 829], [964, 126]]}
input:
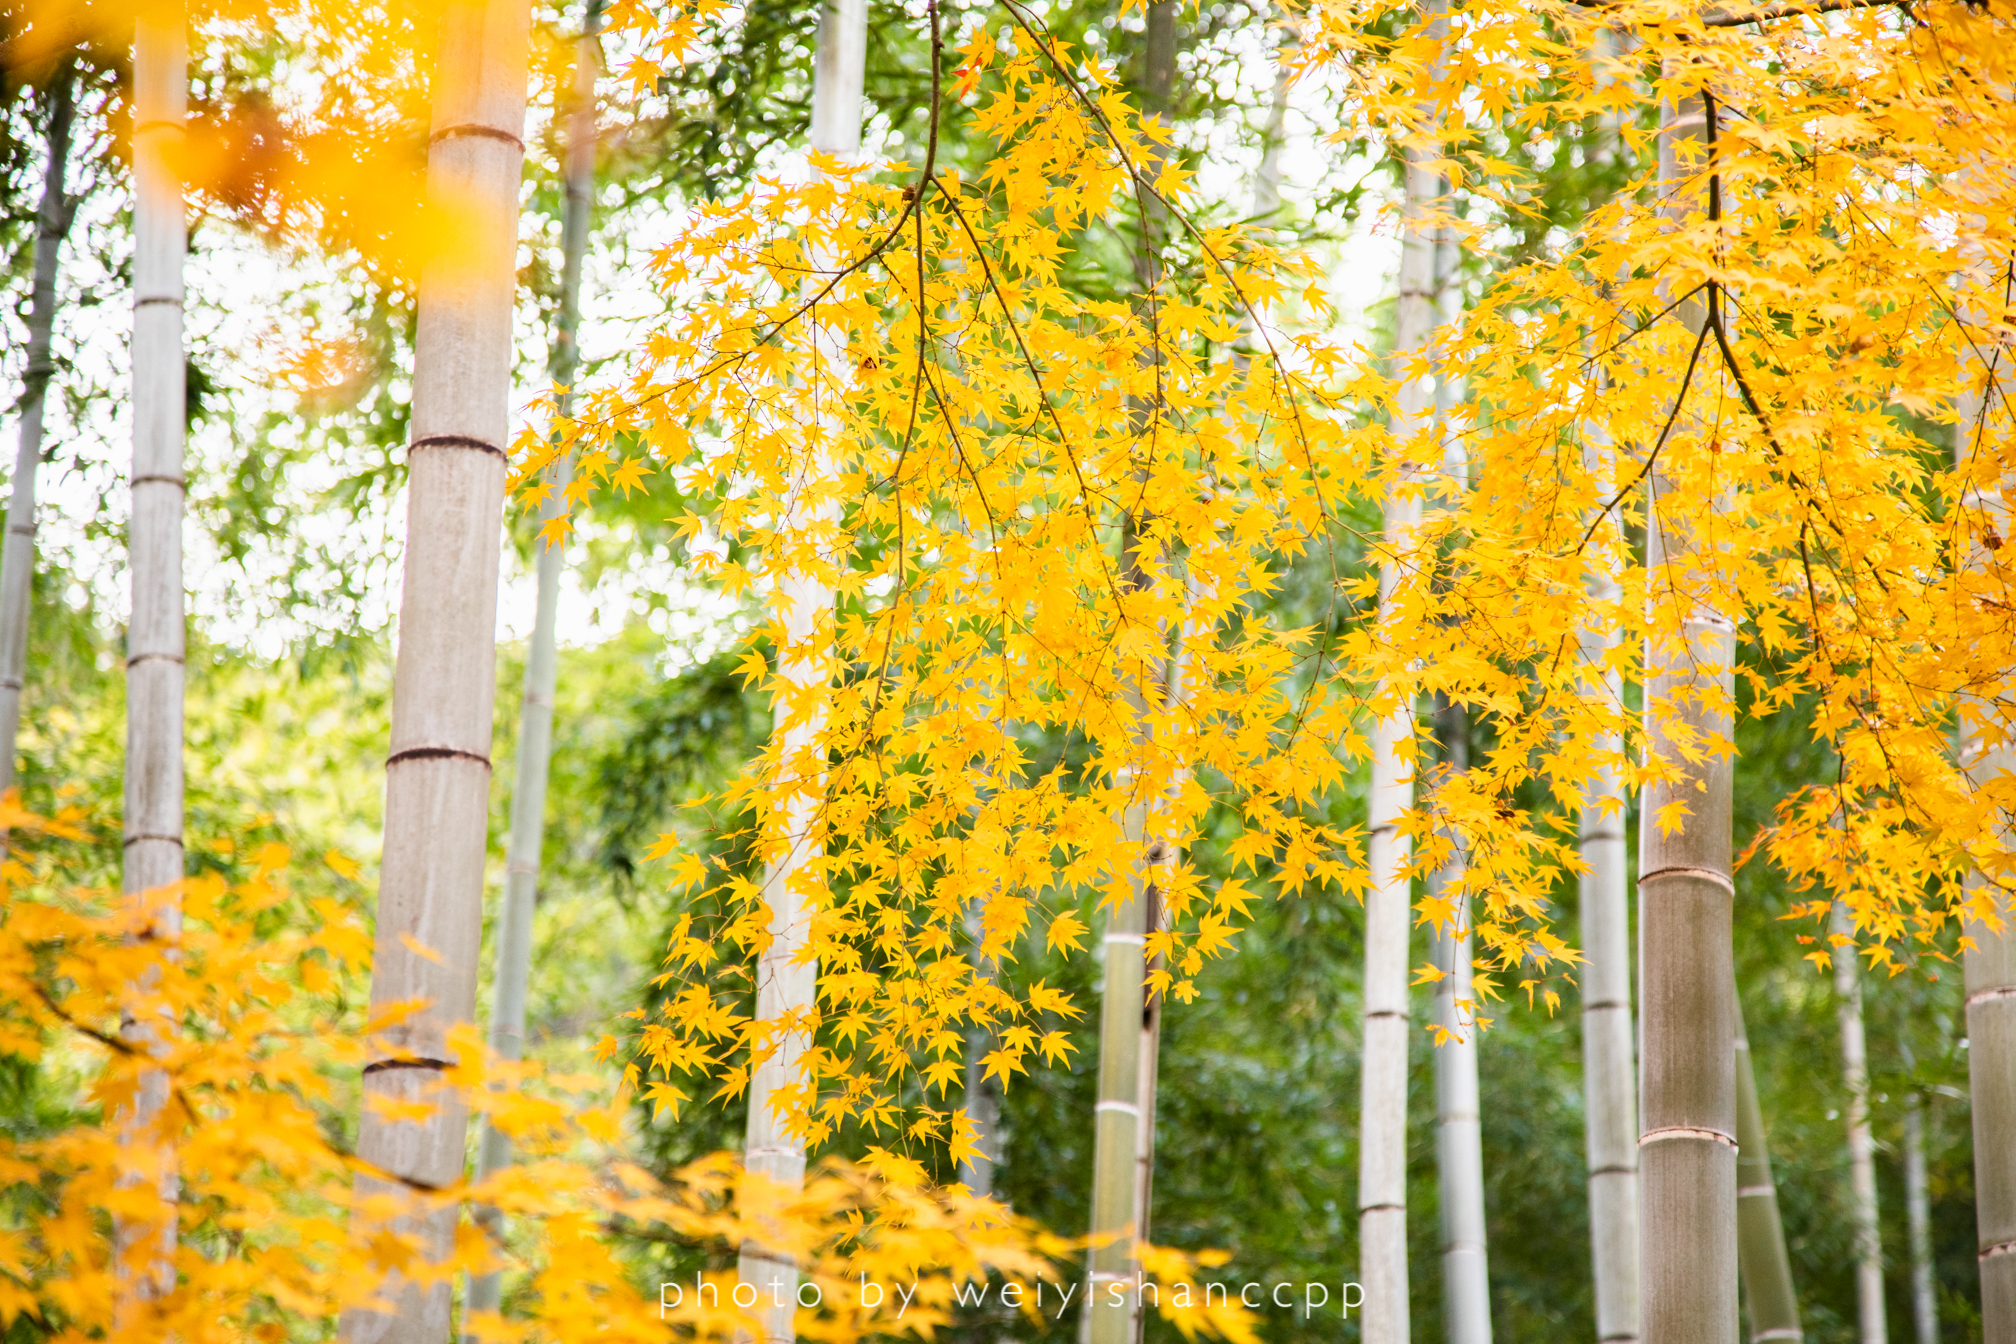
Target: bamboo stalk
{"points": [[1765, 1268], [1382, 1106], [1459, 1140], [983, 1103], [1687, 1139], [1985, 753], [1129, 1025], [1918, 1218], [1609, 1067], [17, 560], [1609, 1070], [786, 976], [1267, 178], [983, 1108], [437, 777], [144, 1249], [1873, 1328], [1990, 966], [1108, 1315], [535, 724], [1162, 856], [1609, 1051], [1148, 1060]]}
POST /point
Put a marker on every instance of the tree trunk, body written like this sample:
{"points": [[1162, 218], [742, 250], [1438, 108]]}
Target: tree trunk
{"points": [[1108, 1317], [535, 723], [145, 1249], [1129, 1025], [1990, 963], [1766, 1271], [1873, 1328], [1609, 1069], [1991, 1077], [1267, 178], [787, 981], [983, 1103], [1918, 1216], [1609, 1047], [1687, 1144], [1459, 1143], [1382, 1107], [437, 777], [1147, 1061], [17, 561]]}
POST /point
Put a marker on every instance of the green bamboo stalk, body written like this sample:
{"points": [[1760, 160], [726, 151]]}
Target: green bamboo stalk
{"points": [[1765, 1268], [17, 562]]}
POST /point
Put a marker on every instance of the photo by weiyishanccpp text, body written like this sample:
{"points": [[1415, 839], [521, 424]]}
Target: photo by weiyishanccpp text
{"points": [[1051, 1297]]}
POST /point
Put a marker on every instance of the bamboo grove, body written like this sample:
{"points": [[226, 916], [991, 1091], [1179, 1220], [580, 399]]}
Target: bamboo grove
{"points": [[1103, 593]]}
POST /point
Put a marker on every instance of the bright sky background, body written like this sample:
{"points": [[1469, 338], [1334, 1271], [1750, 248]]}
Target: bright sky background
{"points": [[245, 337]]}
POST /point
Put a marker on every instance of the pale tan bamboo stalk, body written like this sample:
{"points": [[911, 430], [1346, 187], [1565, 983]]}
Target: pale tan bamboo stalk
{"points": [[1129, 1030], [513, 973], [1918, 1220], [1763, 1266], [1687, 1140], [1108, 1316], [983, 1103], [1382, 1108], [1161, 858], [437, 775], [787, 978], [144, 1250], [1872, 1326], [1990, 967], [983, 1108], [1609, 1067], [1609, 1048], [17, 561], [1129, 1041], [1267, 178], [1985, 753], [1148, 1060], [1459, 1140]]}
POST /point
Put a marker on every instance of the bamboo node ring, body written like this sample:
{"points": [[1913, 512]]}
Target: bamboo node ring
{"points": [[1721, 880], [1669, 1133]]}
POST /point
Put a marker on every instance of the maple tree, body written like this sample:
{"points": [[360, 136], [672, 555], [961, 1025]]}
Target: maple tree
{"points": [[1795, 442], [978, 454], [258, 977], [1824, 265]]}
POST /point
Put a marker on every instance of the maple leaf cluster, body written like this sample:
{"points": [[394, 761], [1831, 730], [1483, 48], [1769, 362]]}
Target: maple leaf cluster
{"points": [[1025, 510]]}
